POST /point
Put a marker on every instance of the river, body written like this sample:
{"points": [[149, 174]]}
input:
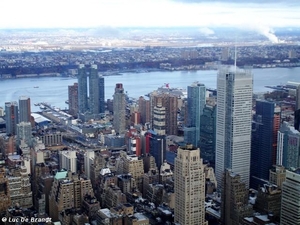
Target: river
{"points": [[54, 90]]}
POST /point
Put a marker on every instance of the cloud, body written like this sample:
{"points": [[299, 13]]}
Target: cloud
{"points": [[206, 31]]}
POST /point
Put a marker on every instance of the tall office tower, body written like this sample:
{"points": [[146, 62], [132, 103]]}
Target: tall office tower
{"points": [[290, 200], [119, 107], [144, 109], [11, 117], [189, 187], [196, 100], [68, 160], [94, 91], [297, 110], [24, 133], [225, 54], [133, 142], [159, 118], [156, 145], [89, 156], [170, 102], [24, 109], [288, 147], [101, 94], [234, 197], [263, 141], [234, 117], [73, 99], [207, 142], [82, 90], [4, 193]]}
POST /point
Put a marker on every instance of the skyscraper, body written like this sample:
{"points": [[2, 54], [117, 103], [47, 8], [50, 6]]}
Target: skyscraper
{"points": [[189, 187], [94, 90], [119, 107], [159, 118], [82, 90], [290, 199], [11, 117], [101, 94], [157, 146], [24, 109], [73, 99], [297, 110], [144, 109], [262, 141], [234, 117], [196, 100]]}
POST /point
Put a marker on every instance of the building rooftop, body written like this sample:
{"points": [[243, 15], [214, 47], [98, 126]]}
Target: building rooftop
{"points": [[61, 175]]}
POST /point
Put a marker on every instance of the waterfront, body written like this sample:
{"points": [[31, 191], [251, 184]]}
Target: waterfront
{"points": [[54, 90]]}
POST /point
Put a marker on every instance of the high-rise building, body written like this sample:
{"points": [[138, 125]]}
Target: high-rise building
{"points": [[101, 94], [24, 109], [119, 108], [68, 161], [196, 100], [290, 200], [144, 109], [288, 147], [11, 117], [24, 133], [207, 142], [170, 103], [94, 91], [157, 146], [234, 118], [263, 141], [4, 192], [234, 197], [277, 175], [82, 90], [159, 118], [297, 110], [189, 187], [73, 99]]}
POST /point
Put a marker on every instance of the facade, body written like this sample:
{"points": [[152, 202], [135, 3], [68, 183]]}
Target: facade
{"points": [[288, 147], [159, 118], [234, 117], [196, 101], [144, 109], [24, 109], [290, 201], [170, 103], [4, 192], [234, 197], [73, 99], [157, 147], [94, 90], [101, 94], [262, 142], [297, 110], [82, 90], [119, 109], [277, 175], [11, 117], [189, 187], [68, 160], [24, 133], [207, 142]]}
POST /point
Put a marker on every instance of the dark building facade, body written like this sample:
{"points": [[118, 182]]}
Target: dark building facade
{"points": [[73, 99], [11, 117], [157, 146], [24, 109]]}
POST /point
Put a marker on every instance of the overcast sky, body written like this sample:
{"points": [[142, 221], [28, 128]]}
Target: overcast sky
{"points": [[149, 13]]}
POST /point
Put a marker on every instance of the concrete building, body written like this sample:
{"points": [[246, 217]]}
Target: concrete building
{"points": [[189, 177], [11, 117], [145, 110], [96, 92], [290, 201], [5, 202], [288, 146], [234, 197], [133, 142], [159, 118], [119, 109], [277, 175], [52, 138], [24, 133], [68, 160], [170, 102], [89, 156], [234, 118], [156, 146], [73, 99], [24, 109], [196, 101]]}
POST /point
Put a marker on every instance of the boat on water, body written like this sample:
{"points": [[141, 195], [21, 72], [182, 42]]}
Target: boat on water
{"points": [[36, 87], [67, 101], [42, 107], [36, 104]]}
